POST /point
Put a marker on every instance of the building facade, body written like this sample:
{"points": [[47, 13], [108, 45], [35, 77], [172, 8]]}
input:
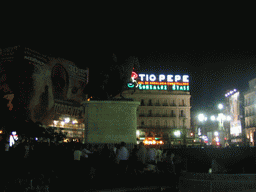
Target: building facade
{"points": [[235, 110], [47, 90], [164, 111], [250, 112]]}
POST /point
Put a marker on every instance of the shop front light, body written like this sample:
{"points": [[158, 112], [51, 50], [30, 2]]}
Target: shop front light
{"points": [[74, 122], [177, 133], [67, 120]]}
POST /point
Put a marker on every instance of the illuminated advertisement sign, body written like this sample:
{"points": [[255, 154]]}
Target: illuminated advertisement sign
{"points": [[236, 128], [235, 123], [161, 82]]}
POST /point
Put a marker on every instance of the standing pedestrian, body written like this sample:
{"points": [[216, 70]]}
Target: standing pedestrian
{"points": [[170, 163], [142, 152], [133, 162], [151, 155], [26, 146], [115, 148], [159, 154], [78, 152], [122, 158]]}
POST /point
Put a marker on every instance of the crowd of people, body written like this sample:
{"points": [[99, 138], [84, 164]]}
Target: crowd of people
{"points": [[137, 161], [97, 161]]}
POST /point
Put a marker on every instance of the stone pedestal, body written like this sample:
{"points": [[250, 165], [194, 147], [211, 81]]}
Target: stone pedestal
{"points": [[110, 121]]}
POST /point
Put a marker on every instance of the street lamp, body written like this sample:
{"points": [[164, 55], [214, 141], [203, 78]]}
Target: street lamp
{"points": [[177, 133], [220, 106], [213, 118], [201, 117]]}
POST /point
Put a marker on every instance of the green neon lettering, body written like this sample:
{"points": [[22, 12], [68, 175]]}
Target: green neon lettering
{"points": [[188, 88], [154, 87], [130, 85]]}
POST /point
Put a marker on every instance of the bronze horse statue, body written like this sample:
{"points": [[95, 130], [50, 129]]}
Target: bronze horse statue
{"points": [[113, 78]]}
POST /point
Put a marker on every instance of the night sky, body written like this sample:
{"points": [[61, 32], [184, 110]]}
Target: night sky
{"points": [[215, 62]]}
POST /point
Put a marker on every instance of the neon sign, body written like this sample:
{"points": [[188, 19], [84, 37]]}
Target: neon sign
{"points": [[168, 78], [163, 82]]}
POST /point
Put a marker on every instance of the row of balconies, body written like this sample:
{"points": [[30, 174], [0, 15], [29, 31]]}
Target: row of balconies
{"points": [[250, 126], [249, 103], [156, 127], [159, 115], [164, 104], [250, 114]]}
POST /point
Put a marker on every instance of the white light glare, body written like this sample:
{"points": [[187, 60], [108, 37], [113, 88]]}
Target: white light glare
{"points": [[216, 133], [75, 121], [177, 133], [201, 117], [220, 106], [213, 118], [228, 118], [67, 120]]}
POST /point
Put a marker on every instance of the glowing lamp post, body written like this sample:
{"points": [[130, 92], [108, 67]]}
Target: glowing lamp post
{"points": [[202, 118], [177, 133], [220, 106]]}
